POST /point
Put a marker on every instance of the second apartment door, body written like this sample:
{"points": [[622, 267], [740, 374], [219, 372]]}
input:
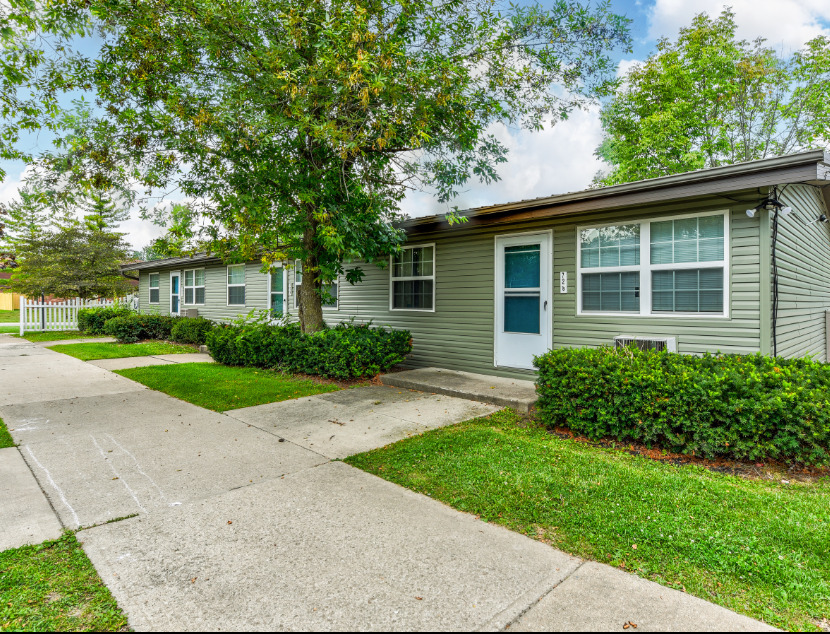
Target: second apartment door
{"points": [[175, 293]]}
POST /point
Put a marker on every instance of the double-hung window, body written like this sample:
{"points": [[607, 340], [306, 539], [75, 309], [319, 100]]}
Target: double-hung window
{"points": [[154, 288], [236, 285], [675, 266], [330, 298], [610, 262], [413, 279], [194, 286]]}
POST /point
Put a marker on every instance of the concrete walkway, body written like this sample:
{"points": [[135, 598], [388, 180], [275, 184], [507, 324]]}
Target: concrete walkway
{"points": [[159, 359], [243, 522], [60, 342]]}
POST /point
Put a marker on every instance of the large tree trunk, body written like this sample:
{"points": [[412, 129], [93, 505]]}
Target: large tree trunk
{"points": [[311, 305]]}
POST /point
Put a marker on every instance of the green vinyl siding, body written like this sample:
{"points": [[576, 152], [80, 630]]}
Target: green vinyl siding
{"points": [[459, 334], [803, 254], [216, 292]]}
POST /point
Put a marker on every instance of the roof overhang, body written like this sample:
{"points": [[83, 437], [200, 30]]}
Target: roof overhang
{"points": [[197, 258], [811, 167]]}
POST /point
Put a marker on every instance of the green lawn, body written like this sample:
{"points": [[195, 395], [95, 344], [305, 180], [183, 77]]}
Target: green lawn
{"points": [[5, 437], [9, 316], [761, 548], [36, 337], [92, 350], [220, 387], [53, 587]]}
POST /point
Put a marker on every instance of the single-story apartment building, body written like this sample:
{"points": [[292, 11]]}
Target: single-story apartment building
{"points": [[733, 259]]}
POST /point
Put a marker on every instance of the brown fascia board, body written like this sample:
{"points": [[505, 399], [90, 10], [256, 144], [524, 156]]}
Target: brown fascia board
{"points": [[806, 167]]}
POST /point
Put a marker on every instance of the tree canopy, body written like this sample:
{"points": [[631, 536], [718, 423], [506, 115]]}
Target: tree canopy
{"points": [[297, 126], [709, 99]]}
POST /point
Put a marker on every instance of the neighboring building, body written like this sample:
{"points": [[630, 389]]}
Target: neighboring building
{"points": [[8, 299], [677, 259]]}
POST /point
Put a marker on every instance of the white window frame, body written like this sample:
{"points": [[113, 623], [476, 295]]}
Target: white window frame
{"points": [[194, 287], [150, 288], [229, 285], [298, 265], [645, 268], [411, 278]]}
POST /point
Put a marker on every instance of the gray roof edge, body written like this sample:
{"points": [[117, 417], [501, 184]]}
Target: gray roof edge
{"points": [[807, 157], [196, 258], [712, 173]]}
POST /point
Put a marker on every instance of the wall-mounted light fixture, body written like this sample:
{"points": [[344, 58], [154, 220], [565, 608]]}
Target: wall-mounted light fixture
{"points": [[772, 203]]}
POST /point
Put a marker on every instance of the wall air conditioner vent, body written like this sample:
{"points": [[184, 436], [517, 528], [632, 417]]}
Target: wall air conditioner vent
{"points": [[191, 312], [668, 344]]}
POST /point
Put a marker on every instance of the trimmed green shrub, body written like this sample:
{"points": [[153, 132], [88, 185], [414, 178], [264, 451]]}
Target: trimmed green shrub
{"points": [[737, 406], [343, 352], [191, 330], [92, 320], [137, 327]]}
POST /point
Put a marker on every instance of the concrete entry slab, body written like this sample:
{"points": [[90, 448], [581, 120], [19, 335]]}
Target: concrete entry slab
{"points": [[339, 424], [599, 598], [515, 393], [25, 514], [109, 456], [329, 548]]}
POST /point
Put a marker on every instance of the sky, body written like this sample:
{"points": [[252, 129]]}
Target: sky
{"points": [[561, 159]]}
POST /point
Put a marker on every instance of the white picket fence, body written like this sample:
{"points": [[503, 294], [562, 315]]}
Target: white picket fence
{"points": [[36, 316]]}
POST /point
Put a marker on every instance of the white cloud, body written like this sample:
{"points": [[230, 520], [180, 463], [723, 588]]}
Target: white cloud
{"points": [[10, 186], [787, 24], [626, 65], [556, 160]]}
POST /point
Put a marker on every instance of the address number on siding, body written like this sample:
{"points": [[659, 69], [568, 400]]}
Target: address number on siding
{"points": [[563, 281]]}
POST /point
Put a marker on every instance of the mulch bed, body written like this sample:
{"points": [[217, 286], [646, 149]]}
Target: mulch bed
{"points": [[766, 470]]}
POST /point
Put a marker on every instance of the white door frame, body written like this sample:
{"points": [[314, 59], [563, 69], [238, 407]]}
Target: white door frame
{"points": [[284, 274], [179, 294], [545, 297]]}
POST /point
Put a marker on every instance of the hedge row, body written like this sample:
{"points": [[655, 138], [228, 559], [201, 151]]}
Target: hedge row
{"points": [[128, 326], [92, 320], [746, 407], [343, 352]]}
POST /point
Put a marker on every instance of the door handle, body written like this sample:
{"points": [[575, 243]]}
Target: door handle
{"points": [[545, 307]]}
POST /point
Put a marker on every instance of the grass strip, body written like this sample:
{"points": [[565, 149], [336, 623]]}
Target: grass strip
{"points": [[92, 350], [221, 387], [54, 587], [754, 546], [9, 316], [6, 439], [38, 337]]}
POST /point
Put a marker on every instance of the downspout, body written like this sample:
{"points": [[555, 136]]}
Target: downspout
{"points": [[774, 284]]}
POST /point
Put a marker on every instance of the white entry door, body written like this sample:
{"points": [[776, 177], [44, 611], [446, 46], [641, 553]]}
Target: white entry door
{"points": [[175, 293], [523, 298]]}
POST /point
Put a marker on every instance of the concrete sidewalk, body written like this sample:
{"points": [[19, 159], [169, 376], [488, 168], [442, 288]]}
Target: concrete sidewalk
{"points": [[243, 522], [25, 514]]}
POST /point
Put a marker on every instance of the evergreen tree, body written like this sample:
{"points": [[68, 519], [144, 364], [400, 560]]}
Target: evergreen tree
{"points": [[102, 212], [73, 260]]}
